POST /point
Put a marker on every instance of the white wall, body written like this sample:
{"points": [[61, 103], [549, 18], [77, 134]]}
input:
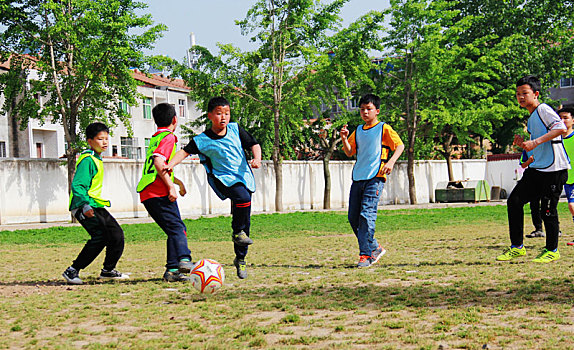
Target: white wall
{"points": [[35, 190]]}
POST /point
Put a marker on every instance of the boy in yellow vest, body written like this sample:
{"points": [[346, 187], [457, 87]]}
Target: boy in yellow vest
{"points": [[158, 194], [87, 205], [566, 114]]}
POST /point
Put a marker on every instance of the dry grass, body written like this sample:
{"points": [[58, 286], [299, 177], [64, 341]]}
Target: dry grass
{"points": [[438, 286]]}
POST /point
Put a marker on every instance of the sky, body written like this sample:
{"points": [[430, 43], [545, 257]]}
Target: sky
{"points": [[213, 21]]}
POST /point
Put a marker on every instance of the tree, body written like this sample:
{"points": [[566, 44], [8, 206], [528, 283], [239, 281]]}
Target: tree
{"points": [[82, 51], [268, 86]]}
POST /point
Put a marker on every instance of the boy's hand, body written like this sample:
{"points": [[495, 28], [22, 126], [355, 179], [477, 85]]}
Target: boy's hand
{"points": [[256, 163], [344, 132], [518, 141], [387, 168], [172, 193], [89, 213], [182, 190], [167, 169]]}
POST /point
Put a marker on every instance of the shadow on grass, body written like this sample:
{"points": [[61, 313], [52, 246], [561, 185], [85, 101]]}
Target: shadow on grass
{"points": [[385, 265], [514, 294], [87, 282]]}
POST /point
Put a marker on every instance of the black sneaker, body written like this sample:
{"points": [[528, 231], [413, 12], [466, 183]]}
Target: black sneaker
{"points": [[536, 233], [176, 276], [185, 266], [241, 267], [241, 238], [112, 275], [72, 276]]}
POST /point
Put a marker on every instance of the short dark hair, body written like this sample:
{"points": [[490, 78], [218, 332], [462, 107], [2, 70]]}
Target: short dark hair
{"points": [[218, 101], [567, 110], [94, 129], [531, 81], [163, 114], [370, 98]]}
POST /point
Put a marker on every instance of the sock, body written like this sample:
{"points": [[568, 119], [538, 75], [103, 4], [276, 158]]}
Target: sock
{"points": [[554, 251], [572, 217], [173, 270], [519, 247], [185, 259]]}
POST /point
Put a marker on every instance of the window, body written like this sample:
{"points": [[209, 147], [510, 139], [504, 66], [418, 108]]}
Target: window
{"points": [[566, 82], [128, 147], [114, 151], [125, 107], [147, 108], [181, 108], [146, 144], [3, 149], [39, 150]]}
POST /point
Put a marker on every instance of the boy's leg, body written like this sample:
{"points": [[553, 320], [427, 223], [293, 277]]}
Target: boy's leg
{"points": [[553, 184], [369, 204], [241, 214], [354, 212], [536, 215], [526, 190], [114, 239], [95, 244], [166, 214]]}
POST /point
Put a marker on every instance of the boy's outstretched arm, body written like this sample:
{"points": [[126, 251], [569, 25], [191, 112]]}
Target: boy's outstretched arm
{"points": [[388, 167], [175, 160], [532, 144], [256, 161], [159, 164]]}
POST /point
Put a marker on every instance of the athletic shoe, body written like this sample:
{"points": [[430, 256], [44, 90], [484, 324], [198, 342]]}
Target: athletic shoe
{"points": [[511, 253], [175, 276], [364, 261], [185, 266], [112, 275], [241, 267], [536, 233], [72, 276], [547, 256], [570, 243], [377, 254], [241, 238]]}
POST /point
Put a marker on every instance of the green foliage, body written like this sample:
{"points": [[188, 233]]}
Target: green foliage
{"points": [[76, 55]]}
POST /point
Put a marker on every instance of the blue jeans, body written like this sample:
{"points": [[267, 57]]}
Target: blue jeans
{"points": [[166, 214], [363, 201]]}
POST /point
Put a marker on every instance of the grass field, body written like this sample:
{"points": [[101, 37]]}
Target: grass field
{"points": [[438, 287]]}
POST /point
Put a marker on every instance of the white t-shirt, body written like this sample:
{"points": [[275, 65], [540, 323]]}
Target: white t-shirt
{"points": [[553, 122]]}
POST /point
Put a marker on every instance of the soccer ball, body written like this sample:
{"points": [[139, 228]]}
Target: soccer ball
{"points": [[207, 276]]}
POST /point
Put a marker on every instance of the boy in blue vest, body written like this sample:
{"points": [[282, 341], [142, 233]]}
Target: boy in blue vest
{"points": [[221, 151], [372, 143], [544, 177], [88, 207], [158, 194], [566, 114]]}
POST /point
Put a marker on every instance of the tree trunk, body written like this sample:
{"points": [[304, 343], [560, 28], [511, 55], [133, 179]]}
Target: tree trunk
{"points": [[327, 178], [277, 164], [447, 156], [411, 131]]}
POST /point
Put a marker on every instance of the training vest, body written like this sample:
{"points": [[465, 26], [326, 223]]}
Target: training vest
{"points": [[569, 147], [544, 153], [369, 145], [149, 171], [225, 160], [95, 191]]}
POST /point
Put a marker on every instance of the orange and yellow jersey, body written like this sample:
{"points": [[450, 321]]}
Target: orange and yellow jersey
{"points": [[371, 159]]}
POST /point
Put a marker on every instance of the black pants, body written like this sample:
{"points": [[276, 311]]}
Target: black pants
{"points": [[536, 215], [534, 186], [105, 232], [240, 211]]}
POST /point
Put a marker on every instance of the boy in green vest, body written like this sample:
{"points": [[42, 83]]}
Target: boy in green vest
{"points": [[158, 194], [566, 115], [87, 205]]}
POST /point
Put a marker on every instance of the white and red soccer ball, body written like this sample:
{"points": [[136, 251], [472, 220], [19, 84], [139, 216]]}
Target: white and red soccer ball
{"points": [[207, 276]]}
